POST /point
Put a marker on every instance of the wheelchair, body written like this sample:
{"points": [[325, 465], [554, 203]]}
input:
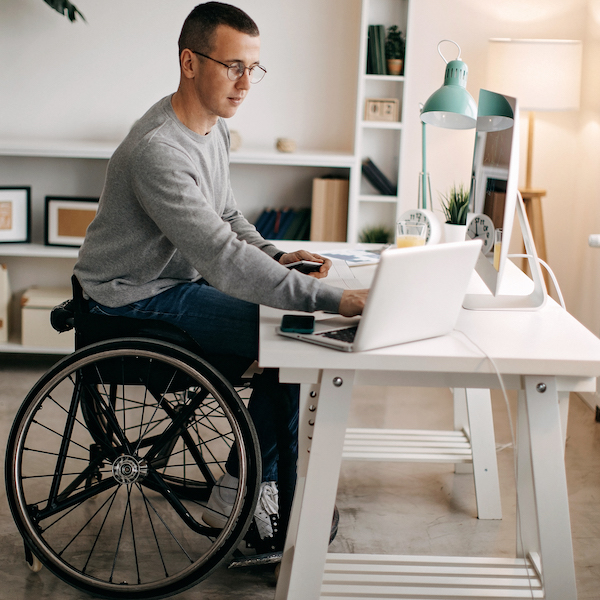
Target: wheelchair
{"points": [[114, 453]]}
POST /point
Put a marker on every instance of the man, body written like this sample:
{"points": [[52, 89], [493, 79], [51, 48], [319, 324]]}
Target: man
{"points": [[169, 243]]}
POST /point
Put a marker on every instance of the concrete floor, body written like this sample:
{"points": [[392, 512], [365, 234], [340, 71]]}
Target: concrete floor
{"points": [[398, 508]]}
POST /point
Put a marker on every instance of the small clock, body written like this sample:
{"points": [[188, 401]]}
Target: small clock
{"points": [[481, 227], [420, 215]]}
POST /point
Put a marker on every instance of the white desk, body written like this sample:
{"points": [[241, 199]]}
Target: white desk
{"points": [[542, 354]]}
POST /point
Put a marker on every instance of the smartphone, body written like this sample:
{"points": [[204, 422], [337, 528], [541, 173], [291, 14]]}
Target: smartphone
{"points": [[305, 266], [298, 323]]}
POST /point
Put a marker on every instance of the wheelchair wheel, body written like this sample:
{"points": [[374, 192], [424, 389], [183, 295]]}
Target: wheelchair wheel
{"points": [[111, 459]]}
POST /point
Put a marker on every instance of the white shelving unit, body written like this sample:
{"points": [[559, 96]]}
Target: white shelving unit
{"points": [[28, 263], [378, 140]]}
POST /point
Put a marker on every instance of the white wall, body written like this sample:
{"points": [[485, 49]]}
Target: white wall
{"points": [[566, 146], [91, 81]]}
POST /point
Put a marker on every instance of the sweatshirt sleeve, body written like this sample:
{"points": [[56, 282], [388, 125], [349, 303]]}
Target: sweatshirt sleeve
{"points": [[180, 199]]}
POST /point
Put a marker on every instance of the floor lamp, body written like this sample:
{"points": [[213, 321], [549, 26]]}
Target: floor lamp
{"points": [[545, 75]]}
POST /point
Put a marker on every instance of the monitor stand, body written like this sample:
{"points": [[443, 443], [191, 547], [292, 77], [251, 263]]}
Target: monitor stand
{"points": [[536, 299]]}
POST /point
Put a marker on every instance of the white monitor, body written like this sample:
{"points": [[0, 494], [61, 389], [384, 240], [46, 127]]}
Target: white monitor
{"points": [[495, 199]]}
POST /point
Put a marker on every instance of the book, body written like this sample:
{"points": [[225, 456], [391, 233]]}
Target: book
{"points": [[296, 224], [262, 219], [371, 64], [285, 220], [380, 53], [377, 179], [304, 232], [265, 223]]}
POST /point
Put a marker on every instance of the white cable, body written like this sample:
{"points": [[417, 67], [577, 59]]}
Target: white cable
{"points": [[550, 272], [514, 443]]}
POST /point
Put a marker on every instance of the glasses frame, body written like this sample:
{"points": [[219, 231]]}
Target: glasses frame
{"points": [[235, 68]]}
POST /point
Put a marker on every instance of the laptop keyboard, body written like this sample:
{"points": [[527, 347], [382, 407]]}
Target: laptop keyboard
{"points": [[344, 335]]}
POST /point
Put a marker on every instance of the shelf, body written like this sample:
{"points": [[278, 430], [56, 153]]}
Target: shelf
{"points": [[296, 159], [384, 77], [378, 198], [407, 445], [382, 124], [104, 150], [16, 348], [38, 251], [57, 149], [394, 577]]}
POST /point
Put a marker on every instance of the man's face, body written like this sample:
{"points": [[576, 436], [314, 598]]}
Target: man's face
{"points": [[217, 94]]}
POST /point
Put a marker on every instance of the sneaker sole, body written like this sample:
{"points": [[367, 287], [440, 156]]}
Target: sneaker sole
{"points": [[272, 558]]}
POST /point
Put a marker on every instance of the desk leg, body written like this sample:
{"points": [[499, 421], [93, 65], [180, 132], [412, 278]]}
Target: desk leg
{"points": [[473, 412], [307, 542], [544, 526], [461, 423]]}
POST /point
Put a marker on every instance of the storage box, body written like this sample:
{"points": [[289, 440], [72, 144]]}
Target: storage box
{"points": [[329, 214], [36, 331], [4, 303]]}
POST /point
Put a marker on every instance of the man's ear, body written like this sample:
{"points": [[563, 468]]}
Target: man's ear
{"points": [[188, 64]]}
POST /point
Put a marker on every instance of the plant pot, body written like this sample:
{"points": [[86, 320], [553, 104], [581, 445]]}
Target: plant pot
{"points": [[394, 66], [454, 233]]}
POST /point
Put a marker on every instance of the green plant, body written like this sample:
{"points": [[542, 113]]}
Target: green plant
{"points": [[64, 6], [456, 205], [376, 235], [394, 43]]}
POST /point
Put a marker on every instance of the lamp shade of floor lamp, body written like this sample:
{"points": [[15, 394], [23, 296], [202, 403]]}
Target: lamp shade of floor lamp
{"points": [[545, 75]]}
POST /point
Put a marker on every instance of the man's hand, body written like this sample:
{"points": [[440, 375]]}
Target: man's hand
{"points": [[353, 302], [291, 257]]}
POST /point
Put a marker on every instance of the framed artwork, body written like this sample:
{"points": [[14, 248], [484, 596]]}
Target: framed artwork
{"points": [[15, 214], [67, 220]]}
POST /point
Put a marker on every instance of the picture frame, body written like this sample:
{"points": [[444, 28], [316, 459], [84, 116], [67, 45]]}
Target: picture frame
{"points": [[66, 219], [382, 109], [15, 215]]}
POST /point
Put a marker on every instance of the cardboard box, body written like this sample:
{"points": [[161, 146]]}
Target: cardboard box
{"points": [[36, 331], [329, 214]]}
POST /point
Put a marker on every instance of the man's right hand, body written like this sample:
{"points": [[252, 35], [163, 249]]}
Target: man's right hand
{"points": [[353, 302]]}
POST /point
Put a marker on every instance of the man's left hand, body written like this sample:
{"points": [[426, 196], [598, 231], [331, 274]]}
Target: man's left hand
{"points": [[291, 257]]}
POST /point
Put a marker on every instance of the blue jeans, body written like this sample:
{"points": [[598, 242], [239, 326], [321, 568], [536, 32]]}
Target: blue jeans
{"points": [[226, 329]]}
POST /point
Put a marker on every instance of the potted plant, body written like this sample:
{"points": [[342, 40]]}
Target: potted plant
{"points": [[456, 206], [376, 235], [394, 50]]}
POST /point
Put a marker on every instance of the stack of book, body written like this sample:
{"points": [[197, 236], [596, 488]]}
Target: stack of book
{"points": [[284, 224], [376, 64], [377, 179]]}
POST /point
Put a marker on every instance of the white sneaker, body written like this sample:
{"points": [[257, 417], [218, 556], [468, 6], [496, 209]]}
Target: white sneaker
{"points": [[266, 507], [221, 501]]}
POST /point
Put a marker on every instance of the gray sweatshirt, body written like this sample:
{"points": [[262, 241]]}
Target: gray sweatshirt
{"points": [[167, 215]]}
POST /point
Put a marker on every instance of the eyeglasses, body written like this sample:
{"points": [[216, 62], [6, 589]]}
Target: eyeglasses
{"points": [[236, 70]]}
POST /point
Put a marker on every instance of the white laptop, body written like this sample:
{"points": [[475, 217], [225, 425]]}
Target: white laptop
{"points": [[417, 293]]}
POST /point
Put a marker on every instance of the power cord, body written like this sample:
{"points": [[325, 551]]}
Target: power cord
{"points": [[550, 272], [514, 443]]}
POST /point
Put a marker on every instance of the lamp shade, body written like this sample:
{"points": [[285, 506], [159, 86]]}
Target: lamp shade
{"points": [[544, 75], [494, 112], [451, 106]]}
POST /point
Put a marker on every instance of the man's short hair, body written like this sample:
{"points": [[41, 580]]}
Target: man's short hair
{"points": [[199, 28]]}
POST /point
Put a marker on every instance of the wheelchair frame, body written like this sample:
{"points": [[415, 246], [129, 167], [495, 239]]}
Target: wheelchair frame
{"points": [[113, 455]]}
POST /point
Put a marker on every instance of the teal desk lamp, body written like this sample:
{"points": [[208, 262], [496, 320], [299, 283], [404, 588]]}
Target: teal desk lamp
{"points": [[451, 107]]}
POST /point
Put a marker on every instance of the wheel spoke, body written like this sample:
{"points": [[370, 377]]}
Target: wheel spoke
{"points": [[115, 451]]}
